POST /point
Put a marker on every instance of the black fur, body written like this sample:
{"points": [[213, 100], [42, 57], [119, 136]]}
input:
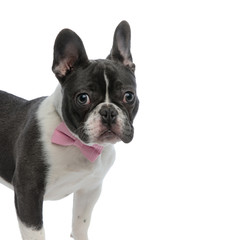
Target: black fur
{"points": [[21, 161], [121, 46], [69, 53]]}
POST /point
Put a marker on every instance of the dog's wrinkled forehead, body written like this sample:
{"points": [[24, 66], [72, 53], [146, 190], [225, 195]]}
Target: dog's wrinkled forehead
{"points": [[104, 80]]}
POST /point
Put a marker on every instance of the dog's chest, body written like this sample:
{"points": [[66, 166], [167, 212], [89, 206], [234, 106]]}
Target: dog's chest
{"points": [[69, 171]]}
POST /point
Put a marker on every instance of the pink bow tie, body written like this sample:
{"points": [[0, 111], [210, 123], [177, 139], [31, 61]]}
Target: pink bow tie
{"points": [[63, 137]]}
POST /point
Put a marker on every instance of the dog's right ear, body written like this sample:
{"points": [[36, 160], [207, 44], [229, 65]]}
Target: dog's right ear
{"points": [[69, 53]]}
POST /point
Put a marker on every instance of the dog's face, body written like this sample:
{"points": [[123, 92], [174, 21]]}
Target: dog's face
{"points": [[99, 97]]}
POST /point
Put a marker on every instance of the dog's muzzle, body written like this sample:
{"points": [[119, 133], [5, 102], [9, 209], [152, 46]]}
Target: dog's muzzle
{"points": [[108, 124]]}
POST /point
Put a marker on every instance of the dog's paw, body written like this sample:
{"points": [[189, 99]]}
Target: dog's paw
{"points": [[79, 237]]}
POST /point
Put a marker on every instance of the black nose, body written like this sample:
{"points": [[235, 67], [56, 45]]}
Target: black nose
{"points": [[109, 114]]}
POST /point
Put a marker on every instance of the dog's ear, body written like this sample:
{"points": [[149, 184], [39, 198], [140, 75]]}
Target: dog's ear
{"points": [[121, 45], [69, 53]]}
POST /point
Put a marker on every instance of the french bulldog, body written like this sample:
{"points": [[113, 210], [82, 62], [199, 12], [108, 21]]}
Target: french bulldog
{"points": [[53, 146]]}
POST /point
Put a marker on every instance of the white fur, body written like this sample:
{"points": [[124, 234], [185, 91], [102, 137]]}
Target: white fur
{"points": [[82, 209], [31, 234], [69, 171], [57, 98], [107, 84], [6, 183]]}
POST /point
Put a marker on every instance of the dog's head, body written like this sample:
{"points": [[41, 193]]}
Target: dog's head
{"points": [[99, 99]]}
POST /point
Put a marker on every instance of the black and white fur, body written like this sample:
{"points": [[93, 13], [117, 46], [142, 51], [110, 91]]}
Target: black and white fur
{"points": [[97, 100]]}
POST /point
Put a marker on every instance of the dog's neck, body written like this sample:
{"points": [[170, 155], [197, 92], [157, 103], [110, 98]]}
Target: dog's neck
{"points": [[57, 100]]}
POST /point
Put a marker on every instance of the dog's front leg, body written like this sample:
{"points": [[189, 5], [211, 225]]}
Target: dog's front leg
{"points": [[83, 203], [29, 211]]}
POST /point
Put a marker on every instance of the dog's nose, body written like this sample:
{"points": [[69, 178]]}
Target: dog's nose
{"points": [[108, 114]]}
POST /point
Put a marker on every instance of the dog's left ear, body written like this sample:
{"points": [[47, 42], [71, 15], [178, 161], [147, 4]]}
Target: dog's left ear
{"points": [[69, 52], [121, 46]]}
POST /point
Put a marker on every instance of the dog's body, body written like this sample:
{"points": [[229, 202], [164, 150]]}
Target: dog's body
{"points": [[97, 102]]}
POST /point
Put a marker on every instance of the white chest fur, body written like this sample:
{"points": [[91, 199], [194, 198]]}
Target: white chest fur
{"points": [[69, 170]]}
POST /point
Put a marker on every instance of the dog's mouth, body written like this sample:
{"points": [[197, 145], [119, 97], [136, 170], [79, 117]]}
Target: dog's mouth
{"points": [[109, 136], [113, 135]]}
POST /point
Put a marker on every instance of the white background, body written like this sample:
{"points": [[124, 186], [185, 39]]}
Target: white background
{"points": [[180, 177]]}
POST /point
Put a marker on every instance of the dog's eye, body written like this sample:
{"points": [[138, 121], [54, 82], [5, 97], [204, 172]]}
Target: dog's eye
{"points": [[128, 97], [83, 99]]}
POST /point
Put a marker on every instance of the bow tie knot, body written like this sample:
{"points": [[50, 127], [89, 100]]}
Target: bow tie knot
{"points": [[63, 137]]}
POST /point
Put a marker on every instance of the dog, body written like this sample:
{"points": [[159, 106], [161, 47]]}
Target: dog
{"points": [[53, 146]]}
